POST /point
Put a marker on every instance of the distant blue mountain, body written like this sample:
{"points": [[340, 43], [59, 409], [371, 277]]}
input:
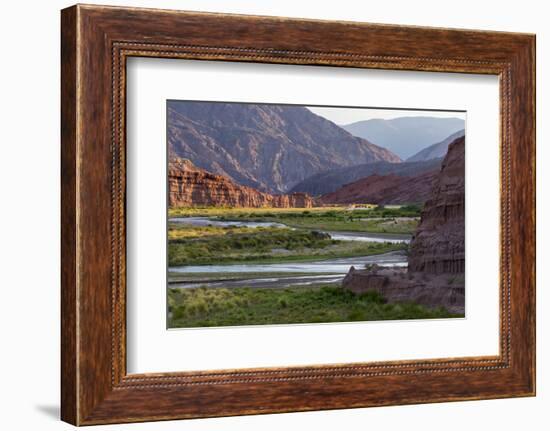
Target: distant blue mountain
{"points": [[436, 151], [406, 136]]}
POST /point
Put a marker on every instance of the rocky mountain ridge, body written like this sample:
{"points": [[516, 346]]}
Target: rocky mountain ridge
{"points": [[268, 147], [406, 136]]}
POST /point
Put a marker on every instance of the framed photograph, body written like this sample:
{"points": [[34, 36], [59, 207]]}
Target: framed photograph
{"points": [[264, 214]]}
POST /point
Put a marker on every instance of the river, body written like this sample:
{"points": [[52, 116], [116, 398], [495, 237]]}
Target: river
{"points": [[341, 236], [287, 274]]}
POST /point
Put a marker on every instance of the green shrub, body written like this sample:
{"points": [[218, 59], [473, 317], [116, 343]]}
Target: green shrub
{"points": [[246, 306]]}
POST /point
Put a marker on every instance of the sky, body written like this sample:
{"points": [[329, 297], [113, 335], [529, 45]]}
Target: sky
{"points": [[344, 116]]}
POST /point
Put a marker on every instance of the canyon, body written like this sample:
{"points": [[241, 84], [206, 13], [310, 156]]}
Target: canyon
{"points": [[374, 223]]}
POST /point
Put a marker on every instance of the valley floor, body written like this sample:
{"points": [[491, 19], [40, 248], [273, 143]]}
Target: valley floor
{"points": [[393, 219], [275, 266]]}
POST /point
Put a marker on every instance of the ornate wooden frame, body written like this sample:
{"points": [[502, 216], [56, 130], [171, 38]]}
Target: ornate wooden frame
{"points": [[95, 43]]}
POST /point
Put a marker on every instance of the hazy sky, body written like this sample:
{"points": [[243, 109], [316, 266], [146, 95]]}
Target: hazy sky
{"points": [[343, 116]]}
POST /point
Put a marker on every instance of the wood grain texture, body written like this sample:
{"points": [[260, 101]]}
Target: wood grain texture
{"points": [[69, 397], [96, 41]]}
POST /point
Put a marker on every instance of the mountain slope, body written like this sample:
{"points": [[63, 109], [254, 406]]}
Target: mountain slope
{"points": [[384, 189], [406, 136], [268, 147], [436, 151], [330, 181]]}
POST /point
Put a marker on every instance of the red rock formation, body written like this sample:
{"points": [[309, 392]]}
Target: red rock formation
{"points": [[438, 244], [293, 200], [191, 186], [435, 274], [384, 189], [329, 181]]}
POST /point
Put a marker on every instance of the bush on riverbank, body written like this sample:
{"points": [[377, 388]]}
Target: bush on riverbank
{"points": [[263, 245]]}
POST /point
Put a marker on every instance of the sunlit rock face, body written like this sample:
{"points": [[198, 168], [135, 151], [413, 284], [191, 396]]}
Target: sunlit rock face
{"points": [[191, 186], [268, 147]]}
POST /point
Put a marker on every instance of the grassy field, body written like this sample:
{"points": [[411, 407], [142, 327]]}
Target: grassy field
{"points": [[202, 307], [189, 245], [398, 220], [179, 231]]}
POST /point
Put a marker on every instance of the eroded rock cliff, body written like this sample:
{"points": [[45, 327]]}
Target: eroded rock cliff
{"points": [[435, 274], [192, 186], [438, 244]]}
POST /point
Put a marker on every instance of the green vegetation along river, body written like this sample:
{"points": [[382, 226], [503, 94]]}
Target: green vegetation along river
{"points": [[223, 264]]}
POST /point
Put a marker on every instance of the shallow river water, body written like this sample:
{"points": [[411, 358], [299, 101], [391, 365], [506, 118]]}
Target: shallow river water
{"points": [[290, 273]]}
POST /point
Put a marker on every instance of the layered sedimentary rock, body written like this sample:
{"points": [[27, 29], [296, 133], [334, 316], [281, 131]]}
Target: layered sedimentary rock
{"points": [[293, 200], [384, 189], [435, 274], [191, 186], [267, 147], [438, 244]]}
